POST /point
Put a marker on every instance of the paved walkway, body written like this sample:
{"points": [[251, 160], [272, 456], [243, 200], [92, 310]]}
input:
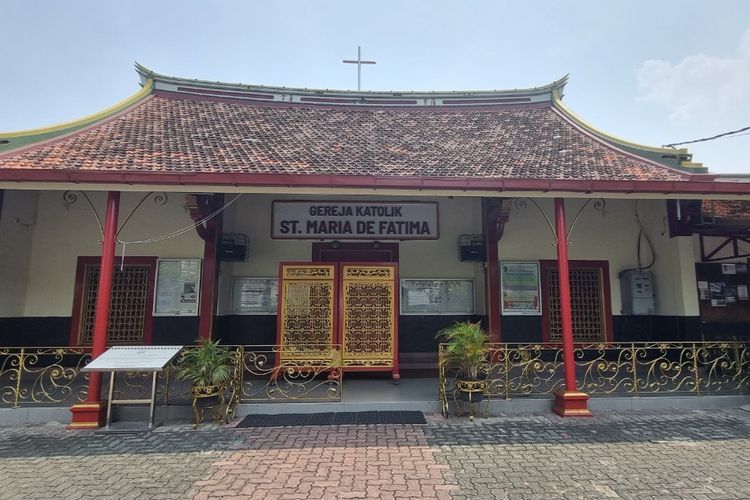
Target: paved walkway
{"points": [[686, 454]]}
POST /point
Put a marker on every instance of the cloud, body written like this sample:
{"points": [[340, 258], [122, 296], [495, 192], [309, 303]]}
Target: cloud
{"points": [[699, 86]]}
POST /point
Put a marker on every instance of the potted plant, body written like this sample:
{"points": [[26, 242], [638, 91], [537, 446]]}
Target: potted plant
{"points": [[208, 367], [466, 350]]}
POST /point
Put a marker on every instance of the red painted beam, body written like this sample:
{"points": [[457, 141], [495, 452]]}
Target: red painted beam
{"points": [[693, 185]]}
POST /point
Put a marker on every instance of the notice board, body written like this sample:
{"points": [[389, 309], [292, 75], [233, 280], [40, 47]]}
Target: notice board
{"points": [[723, 292], [255, 295], [177, 287], [437, 296]]}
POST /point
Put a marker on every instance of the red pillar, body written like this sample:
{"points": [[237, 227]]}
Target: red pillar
{"points": [[210, 274], [91, 414], [492, 273], [570, 402]]}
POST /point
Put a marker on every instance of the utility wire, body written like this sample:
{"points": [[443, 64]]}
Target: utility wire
{"points": [[704, 139]]}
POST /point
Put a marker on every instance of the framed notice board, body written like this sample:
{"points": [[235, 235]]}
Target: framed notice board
{"points": [[437, 296], [520, 288], [255, 295], [178, 284], [723, 291]]}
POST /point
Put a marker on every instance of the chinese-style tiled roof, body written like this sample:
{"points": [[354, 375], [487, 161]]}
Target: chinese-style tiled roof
{"points": [[728, 209], [196, 127]]}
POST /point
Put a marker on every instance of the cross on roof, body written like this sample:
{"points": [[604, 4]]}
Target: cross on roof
{"points": [[359, 62]]}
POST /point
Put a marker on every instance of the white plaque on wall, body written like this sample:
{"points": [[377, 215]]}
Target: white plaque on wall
{"points": [[177, 287], [437, 296], [255, 295], [342, 220]]}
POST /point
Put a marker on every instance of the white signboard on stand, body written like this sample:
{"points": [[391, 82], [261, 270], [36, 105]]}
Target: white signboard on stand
{"points": [[152, 359], [134, 358]]}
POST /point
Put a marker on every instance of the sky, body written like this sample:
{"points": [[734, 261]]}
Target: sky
{"points": [[652, 72]]}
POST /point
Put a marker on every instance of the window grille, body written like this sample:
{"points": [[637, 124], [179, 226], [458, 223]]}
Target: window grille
{"points": [[127, 314], [587, 305]]}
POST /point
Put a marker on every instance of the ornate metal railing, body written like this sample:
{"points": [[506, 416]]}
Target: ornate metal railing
{"points": [[43, 375], [611, 369], [53, 376]]}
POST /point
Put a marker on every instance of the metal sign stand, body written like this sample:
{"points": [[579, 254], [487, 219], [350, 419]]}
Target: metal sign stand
{"points": [[152, 359]]}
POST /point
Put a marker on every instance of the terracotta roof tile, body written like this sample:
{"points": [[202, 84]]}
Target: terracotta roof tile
{"points": [[165, 134]]}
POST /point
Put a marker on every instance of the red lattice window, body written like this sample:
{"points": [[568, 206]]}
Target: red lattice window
{"points": [[131, 301], [590, 301]]}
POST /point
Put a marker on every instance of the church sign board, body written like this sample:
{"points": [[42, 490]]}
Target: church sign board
{"points": [[373, 220]]}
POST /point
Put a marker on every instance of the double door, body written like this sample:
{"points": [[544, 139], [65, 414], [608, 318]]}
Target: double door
{"points": [[347, 303]]}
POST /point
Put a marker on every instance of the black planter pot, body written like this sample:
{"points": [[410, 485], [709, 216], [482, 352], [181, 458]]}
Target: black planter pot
{"points": [[207, 401]]}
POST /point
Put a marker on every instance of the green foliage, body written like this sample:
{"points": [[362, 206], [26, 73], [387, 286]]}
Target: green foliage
{"points": [[205, 365], [467, 347]]}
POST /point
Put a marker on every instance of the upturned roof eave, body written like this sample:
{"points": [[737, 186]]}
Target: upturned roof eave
{"points": [[678, 158], [148, 74], [16, 140]]}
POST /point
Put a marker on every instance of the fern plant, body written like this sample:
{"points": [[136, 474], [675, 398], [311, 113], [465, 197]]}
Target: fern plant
{"points": [[206, 365], [466, 347]]}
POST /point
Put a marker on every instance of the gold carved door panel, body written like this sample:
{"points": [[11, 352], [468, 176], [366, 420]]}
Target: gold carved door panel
{"points": [[369, 321], [353, 305], [306, 311]]}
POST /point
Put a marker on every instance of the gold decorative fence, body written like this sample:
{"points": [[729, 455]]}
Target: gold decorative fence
{"points": [[611, 369], [52, 376], [43, 375]]}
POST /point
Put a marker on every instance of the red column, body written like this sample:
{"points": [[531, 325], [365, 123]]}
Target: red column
{"points": [[569, 402], [210, 274], [492, 273], [91, 413]]}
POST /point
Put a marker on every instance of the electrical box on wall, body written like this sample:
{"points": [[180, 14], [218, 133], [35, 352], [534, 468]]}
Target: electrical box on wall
{"points": [[637, 292]]}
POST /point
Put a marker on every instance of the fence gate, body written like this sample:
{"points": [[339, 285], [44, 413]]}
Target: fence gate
{"points": [[352, 304], [306, 323], [369, 331]]}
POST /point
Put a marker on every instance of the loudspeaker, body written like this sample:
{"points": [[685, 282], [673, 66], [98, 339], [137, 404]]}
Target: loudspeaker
{"points": [[473, 253], [233, 247]]}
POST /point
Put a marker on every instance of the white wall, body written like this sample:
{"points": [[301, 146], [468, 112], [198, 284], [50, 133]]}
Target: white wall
{"points": [[62, 234], [38, 277], [251, 215], [611, 235], [17, 225]]}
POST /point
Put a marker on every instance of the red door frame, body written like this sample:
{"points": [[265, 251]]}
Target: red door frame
{"points": [[78, 290], [603, 267]]}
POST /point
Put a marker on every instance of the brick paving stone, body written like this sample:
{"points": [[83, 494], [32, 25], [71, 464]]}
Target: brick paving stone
{"points": [[675, 454], [665, 454]]}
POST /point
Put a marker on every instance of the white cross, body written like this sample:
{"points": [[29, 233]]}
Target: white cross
{"points": [[359, 62]]}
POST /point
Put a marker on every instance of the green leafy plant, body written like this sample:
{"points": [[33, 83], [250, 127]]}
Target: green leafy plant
{"points": [[206, 365], [466, 348]]}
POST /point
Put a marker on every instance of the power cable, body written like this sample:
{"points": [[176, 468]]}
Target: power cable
{"points": [[704, 139]]}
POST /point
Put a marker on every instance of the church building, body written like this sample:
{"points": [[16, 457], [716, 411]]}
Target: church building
{"points": [[273, 215]]}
